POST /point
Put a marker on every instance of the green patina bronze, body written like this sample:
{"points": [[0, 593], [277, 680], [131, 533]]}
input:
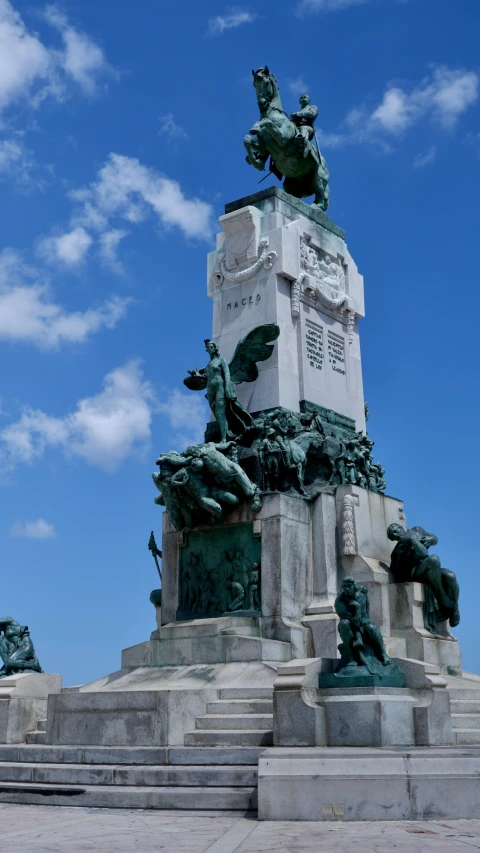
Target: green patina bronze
{"points": [[156, 594], [244, 454], [289, 141], [364, 661], [411, 562], [16, 648], [156, 553], [306, 451], [220, 573], [220, 379], [200, 485]]}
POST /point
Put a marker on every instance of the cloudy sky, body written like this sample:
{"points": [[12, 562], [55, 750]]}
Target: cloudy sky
{"points": [[120, 142]]}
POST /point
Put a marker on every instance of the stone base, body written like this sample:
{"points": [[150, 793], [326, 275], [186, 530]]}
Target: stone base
{"points": [[213, 640], [23, 701], [369, 716], [359, 676], [369, 784], [148, 706]]}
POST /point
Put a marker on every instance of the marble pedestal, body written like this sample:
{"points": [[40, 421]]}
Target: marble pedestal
{"points": [[279, 260]]}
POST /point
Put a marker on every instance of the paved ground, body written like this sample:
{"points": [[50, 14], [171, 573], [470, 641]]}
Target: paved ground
{"points": [[48, 829]]}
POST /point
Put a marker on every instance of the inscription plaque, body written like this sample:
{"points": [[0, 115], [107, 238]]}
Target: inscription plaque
{"points": [[336, 353], [314, 344]]}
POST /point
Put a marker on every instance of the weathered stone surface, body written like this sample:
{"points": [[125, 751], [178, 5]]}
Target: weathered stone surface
{"points": [[366, 784], [125, 718], [23, 701]]}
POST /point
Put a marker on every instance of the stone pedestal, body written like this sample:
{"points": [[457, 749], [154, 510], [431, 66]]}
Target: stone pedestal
{"points": [[281, 261], [284, 529], [23, 701]]}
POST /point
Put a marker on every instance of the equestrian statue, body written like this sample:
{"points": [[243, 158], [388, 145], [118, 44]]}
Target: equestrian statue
{"points": [[289, 141]]}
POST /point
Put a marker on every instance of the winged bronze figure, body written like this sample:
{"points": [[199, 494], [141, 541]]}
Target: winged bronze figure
{"points": [[220, 378]]}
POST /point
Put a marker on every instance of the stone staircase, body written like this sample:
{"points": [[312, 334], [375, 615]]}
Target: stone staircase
{"points": [[39, 735], [215, 770], [130, 777], [465, 708], [239, 717]]}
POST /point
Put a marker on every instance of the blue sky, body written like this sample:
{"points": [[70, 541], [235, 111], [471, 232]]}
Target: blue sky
{"points": [[121, 129]]}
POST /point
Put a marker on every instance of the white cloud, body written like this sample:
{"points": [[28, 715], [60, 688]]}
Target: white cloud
{"points": [[327, 5], [441, 97], [69, 249], [221, 23], [297, 86], [131, 191], [16, 161], [170, 128], [426, 158], [395, 112], [444, 95], [187, 414], [82, 59], [29, 314], [109, 243], [23, 58], [39, 529], [31, 70], [103, 429]]}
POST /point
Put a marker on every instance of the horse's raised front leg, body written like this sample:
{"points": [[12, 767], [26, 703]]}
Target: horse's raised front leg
{"points": [[256, 157]]}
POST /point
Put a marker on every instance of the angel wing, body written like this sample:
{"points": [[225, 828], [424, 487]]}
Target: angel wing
{"points": [[252, 348], [196, 381]]}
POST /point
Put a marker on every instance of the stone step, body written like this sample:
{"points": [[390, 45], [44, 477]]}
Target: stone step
{"points": [[36, 737], [240, 706], [242, 632], [459, 693], [232, 737], [466, 736], [126, 797], [465, 706], [128, 755], [145, 776], [42, 726], [238, 755], [246, 693], [466, 721], [234, 721]]}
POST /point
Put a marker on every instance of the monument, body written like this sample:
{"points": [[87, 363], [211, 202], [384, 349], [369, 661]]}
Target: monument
{"points": [[303, 631]]}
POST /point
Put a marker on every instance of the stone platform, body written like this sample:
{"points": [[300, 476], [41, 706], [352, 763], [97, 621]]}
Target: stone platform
{"points": [[369, 784]]}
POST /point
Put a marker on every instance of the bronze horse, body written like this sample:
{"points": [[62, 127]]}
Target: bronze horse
{"points": [[276, 136]]}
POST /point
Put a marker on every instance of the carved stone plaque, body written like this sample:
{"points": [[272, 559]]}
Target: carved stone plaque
{"points": [[326, 274]]}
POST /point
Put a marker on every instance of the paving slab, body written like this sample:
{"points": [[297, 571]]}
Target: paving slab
{"points": [[43, 829]]}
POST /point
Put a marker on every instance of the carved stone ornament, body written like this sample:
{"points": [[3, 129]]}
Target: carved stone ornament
{"points": [[240, 229], [326, 274], [349, 539], [265, 259], [322, 278]]}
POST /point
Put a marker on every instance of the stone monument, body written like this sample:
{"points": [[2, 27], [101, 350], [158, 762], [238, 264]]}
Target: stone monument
{"points": [[24, 687], [277, 538]]}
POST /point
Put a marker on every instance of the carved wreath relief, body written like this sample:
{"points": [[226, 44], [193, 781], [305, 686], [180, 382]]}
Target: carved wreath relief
{"points": [[242, 245]]}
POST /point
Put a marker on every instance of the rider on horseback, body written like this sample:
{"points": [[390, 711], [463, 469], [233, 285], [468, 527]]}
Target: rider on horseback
{"points": [[304, 119]]}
